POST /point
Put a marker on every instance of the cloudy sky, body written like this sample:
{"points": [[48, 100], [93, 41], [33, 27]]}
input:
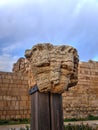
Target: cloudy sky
{"points": [[24, 23]]}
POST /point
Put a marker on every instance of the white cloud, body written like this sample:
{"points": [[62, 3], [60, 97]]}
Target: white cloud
{"points": [[10, 49], [11, 2], [6, 62], [26, 22]]}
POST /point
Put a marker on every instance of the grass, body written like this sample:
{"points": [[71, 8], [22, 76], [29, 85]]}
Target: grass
{"points": [[14, 121], [80, 127], [89, 117]]}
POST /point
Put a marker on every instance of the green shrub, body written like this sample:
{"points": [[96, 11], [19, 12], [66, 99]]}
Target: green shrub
{"points": [[89, 117], [71, 119], [14, 121]]}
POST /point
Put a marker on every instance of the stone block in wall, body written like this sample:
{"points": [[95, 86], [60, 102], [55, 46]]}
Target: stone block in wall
{"points": [[10, 94]]}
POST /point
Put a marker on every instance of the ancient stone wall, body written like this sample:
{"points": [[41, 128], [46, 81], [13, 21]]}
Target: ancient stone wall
{"points": [[82, 100], [14, 98], [78, 102], [23, 66]]}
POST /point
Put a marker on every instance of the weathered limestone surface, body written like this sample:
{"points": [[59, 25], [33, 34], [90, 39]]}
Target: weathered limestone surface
{"points": [[54, 68], [23, 66]]}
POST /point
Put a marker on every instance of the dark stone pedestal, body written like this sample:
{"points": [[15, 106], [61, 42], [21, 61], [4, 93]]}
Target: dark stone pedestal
{"points": [[46, 111]]}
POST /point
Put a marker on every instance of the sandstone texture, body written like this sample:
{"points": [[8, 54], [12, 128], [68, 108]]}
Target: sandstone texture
{"points": [[54, 68], [82, 100], [14, 97], [21, 65], [24, 67]]}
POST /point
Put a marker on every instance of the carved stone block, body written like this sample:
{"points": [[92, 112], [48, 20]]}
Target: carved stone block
{"points": [[55, 68]]}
